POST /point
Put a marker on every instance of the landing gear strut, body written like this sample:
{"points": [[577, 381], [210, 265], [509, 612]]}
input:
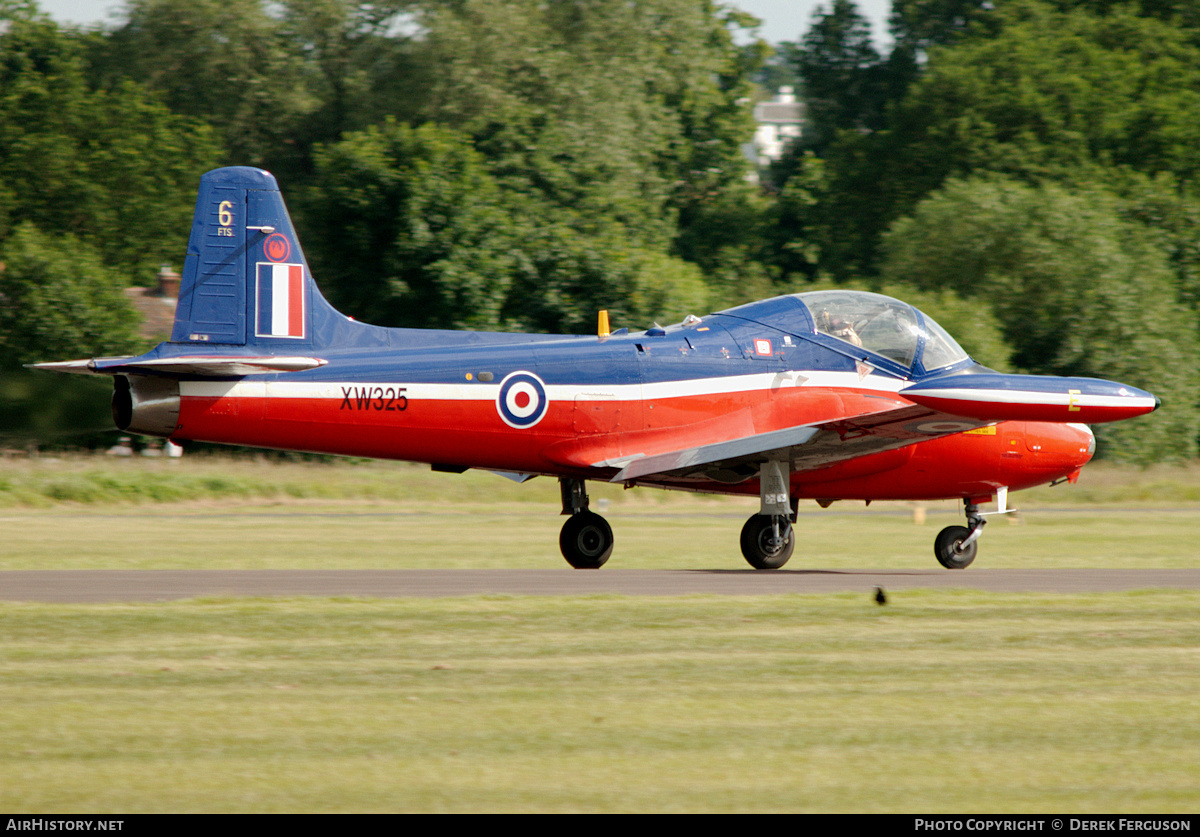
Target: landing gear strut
{"points": [[586, 539], [767, 538]]}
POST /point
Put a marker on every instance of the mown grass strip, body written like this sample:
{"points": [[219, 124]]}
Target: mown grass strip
{"points": [[940, 701]]}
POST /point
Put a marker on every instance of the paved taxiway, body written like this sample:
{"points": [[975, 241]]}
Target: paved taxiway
{"points": [[165, 585]]}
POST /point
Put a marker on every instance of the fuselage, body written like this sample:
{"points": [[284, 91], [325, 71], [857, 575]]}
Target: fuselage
{"points": [[578, 405]]}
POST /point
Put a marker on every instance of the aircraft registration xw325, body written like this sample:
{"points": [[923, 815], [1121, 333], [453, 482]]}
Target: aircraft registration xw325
{"points": [[825, 395]]}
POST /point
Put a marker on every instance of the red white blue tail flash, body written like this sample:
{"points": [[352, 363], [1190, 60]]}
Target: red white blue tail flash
{"points": [[280, 294]]}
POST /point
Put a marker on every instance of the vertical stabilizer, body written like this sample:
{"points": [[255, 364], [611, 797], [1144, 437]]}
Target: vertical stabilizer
{"points": [[245, 280]]}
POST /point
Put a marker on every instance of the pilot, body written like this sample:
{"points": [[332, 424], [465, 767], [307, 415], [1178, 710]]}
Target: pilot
{"points": [[835, 326]]}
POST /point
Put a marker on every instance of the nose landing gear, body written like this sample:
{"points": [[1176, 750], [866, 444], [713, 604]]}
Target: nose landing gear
{"points": [[955, 546]]}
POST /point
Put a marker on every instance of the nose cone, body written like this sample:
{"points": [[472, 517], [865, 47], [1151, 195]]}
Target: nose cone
{"points": [[1086, 439], [1060, 448]]}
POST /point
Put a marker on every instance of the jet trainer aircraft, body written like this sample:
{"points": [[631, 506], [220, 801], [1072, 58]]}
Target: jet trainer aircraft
{"points": [[826, 395]]}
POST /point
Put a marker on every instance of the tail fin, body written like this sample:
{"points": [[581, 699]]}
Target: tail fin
{"points": [[245, 278]]}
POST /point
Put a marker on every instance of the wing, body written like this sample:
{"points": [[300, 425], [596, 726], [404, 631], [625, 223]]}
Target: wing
{"points": [[936, 407], [806, 447]]}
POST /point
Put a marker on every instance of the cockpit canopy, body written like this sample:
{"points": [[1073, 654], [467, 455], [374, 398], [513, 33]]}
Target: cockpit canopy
{"points": [[883, 326]]}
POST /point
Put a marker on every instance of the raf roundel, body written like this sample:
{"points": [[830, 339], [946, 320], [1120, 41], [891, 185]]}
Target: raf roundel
{"points": [[522, 400]]}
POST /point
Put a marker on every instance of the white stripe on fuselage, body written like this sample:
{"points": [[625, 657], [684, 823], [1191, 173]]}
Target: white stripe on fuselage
{"points": [[653, 391]]}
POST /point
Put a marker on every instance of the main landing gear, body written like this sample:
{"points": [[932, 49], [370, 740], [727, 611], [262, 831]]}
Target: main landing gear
{"points": [[768, 538], [955, 546], [586, 539]]}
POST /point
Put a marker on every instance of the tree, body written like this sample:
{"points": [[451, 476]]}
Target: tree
{"points": [[412, 230], [408, 229], [1039, 95], [918, 25], [59, 300], [1056, 91], [631, 111], [229, 64], [113, 167], [842, 76]]}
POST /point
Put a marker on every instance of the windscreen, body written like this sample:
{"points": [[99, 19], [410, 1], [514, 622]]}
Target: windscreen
{"points": [[882, 325], [877, 323], [940, 348]]}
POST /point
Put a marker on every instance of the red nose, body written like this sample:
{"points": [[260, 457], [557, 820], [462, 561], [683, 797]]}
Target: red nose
{"points": [[1059, 447]]}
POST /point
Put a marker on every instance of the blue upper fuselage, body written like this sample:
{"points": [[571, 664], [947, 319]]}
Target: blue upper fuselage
{"points": [[825, 330]]}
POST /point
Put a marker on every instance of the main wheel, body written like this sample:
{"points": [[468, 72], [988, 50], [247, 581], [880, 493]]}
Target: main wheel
{"points": [[759, 546], [586, 541], [946, 548]]}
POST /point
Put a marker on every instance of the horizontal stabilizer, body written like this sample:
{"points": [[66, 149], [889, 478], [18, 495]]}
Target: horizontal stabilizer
{"points": [[205, 366], [87, 366], [997, 397]]}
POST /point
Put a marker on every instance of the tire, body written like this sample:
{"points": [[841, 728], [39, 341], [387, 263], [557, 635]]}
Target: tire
{"points": [[946, 545], [586, 541], [759, 552]]}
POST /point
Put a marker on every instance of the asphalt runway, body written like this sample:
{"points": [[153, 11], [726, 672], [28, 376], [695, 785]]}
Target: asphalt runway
{"points": [[167, 585]]}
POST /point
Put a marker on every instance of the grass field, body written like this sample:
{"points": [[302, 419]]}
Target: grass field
{"points": [[939, 702]]}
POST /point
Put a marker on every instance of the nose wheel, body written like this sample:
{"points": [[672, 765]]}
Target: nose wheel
{"points": [[955, 546]]}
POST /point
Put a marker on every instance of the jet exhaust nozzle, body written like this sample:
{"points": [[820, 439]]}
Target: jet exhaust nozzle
{"points": [[145, 405]]}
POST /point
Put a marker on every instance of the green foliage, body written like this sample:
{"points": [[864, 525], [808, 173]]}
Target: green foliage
{"points": [[840, 69], [225, 63], [271, 79], [110, 167], [356, 59], [59, 300], [797, 232], [1041, 94], [921, 24], [1171, 213], [409, 229], [1053, 92], [1078, 290], [413, 230], [610, 109]]}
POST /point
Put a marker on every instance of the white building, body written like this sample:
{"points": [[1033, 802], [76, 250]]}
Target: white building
{"points": [[779, 123]]}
